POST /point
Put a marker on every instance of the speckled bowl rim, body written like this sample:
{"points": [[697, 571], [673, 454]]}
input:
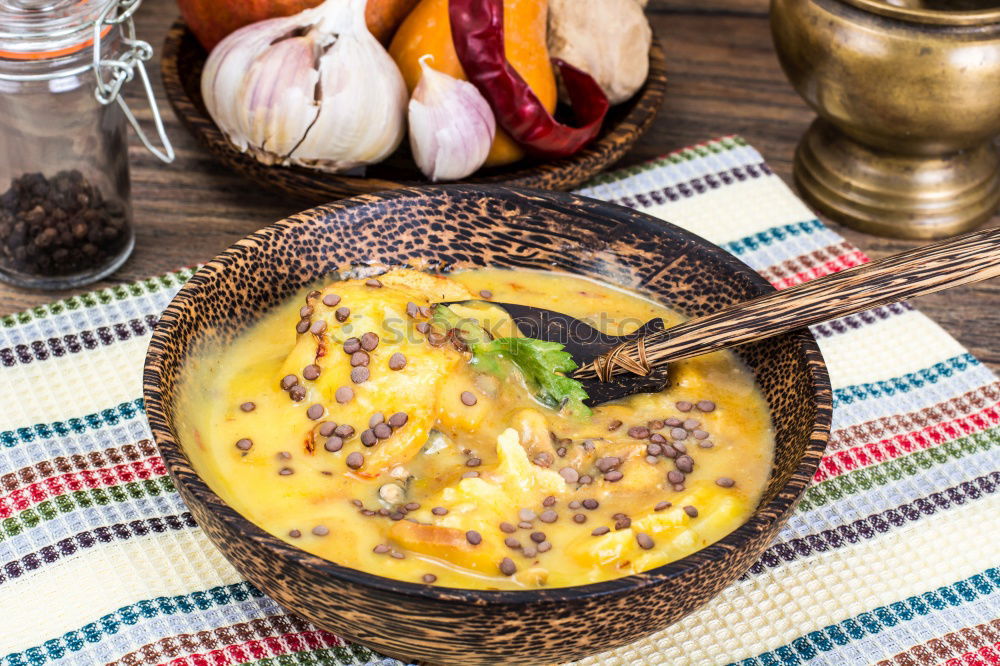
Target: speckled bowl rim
{"points": [[776, 510]]}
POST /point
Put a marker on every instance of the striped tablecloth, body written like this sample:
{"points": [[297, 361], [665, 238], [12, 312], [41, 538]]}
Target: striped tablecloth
{"points": [[893, 555]]}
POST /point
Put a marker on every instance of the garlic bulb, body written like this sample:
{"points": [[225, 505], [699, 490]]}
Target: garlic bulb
{"points": [[315, 89], [451, 125]]}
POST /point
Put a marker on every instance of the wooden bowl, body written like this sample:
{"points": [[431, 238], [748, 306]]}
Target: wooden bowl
{"points": [[460, 226], [184, 58]]}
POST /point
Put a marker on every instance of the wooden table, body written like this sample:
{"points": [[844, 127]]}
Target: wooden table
{"points": [[724, 78]]}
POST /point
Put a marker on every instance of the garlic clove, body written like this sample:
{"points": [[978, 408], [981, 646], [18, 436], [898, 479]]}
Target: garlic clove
{"points": [[362, 113], [277, 100], [222, 78], [451, 125]]}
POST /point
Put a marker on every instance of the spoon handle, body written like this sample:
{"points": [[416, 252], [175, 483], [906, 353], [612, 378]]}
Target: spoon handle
{"points": [[961, 260]]}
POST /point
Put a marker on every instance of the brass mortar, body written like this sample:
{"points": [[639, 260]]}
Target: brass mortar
{"points": [[908, 99]]}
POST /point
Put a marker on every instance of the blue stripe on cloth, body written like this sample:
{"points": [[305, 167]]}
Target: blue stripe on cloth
{"points": [[111, 416], [983, 586]]}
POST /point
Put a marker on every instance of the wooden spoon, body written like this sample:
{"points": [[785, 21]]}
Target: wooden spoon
{"points": [[612, 368]]}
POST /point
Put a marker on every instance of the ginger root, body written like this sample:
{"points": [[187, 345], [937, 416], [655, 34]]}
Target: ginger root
{"points": [[608, 39]]}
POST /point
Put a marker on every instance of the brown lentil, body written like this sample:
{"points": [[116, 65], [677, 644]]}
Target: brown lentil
{"points": [[706, 444], [549, 516], [373, 282], [248, 406], [369, 341], [397, 361], [644, 540], [674, 477], [381, 549], [302, 326], [685, 464], [614, 425], [368, 437], [691, 511], [725, 482], [344, 394], [549, 501], [334, 444], [614, 476], [655, 424], [311, 372], [474, 537], [600, 531], [678, 433], [525, 525], [622, 522], [469, 398], [295, 534], [660, 506], [579, 518], [318, 327], [511, 542], [327, 428], [683, 406], [360, 375], [398, 420], [439, 511], [473, 462], [507, 527], [486, 293], [360, 359], [705, 406], [321, 530], [344, 430], [244, 444], [286, 471], [586, 479], [507, 567], [297, 393], [288, 381], [527, 515], [638, 432], [355, 460], [699, 434], [544, 547], [471, 475], [429, 578], [315, 412], [330, 300], [590, 504], [342, 313]]}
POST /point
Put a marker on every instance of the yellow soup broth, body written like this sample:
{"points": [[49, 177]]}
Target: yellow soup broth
{"points": [[399, 457]]}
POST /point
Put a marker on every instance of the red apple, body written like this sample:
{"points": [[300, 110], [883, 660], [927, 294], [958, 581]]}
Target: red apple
{"points": [[212, 20]]}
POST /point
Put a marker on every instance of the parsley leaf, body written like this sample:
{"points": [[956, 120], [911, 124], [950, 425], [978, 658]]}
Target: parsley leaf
{"points": [[544, 366]]}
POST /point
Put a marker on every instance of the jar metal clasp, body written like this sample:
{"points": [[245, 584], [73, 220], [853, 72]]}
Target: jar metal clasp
{"points": [[112, 74]]}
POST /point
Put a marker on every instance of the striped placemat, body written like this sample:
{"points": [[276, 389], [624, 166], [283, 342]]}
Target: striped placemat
{"points": [[894, 553]]}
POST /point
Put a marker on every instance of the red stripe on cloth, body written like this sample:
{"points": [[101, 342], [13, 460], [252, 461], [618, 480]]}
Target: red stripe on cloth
{"points": [[988, 655], [849, 260], [841, 462], [23, 498], [255, 650]]}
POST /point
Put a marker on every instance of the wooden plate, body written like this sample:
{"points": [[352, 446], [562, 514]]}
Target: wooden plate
{"points": [[184, 58]]}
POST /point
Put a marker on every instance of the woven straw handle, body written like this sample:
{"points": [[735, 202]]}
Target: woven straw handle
{"points": [[961, 260]]}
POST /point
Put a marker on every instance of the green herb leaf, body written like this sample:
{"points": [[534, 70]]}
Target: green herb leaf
{"points": [[544, 366]]}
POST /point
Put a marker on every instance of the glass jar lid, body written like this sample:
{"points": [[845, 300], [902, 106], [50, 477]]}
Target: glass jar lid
{"points": [[42, 29]]}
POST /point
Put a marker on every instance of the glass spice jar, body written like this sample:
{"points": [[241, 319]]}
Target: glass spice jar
{"points": [[65, 210]]}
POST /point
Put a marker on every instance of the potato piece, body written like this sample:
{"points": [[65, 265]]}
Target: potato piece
{"points": [[447, 543]]}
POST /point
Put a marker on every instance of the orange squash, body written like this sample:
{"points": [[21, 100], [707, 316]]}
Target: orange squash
{"points": [[427, 30]]}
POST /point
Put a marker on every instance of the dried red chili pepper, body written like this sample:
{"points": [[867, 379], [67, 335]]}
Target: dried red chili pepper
{"points": [[477, 32]]}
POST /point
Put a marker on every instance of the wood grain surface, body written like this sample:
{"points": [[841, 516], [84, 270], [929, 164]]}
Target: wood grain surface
{"points": [[724, 78]]}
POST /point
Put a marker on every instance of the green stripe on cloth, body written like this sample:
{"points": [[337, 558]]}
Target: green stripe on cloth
{"points": [[865, 479], [688, 154], [99, 297], [82, 499]]}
